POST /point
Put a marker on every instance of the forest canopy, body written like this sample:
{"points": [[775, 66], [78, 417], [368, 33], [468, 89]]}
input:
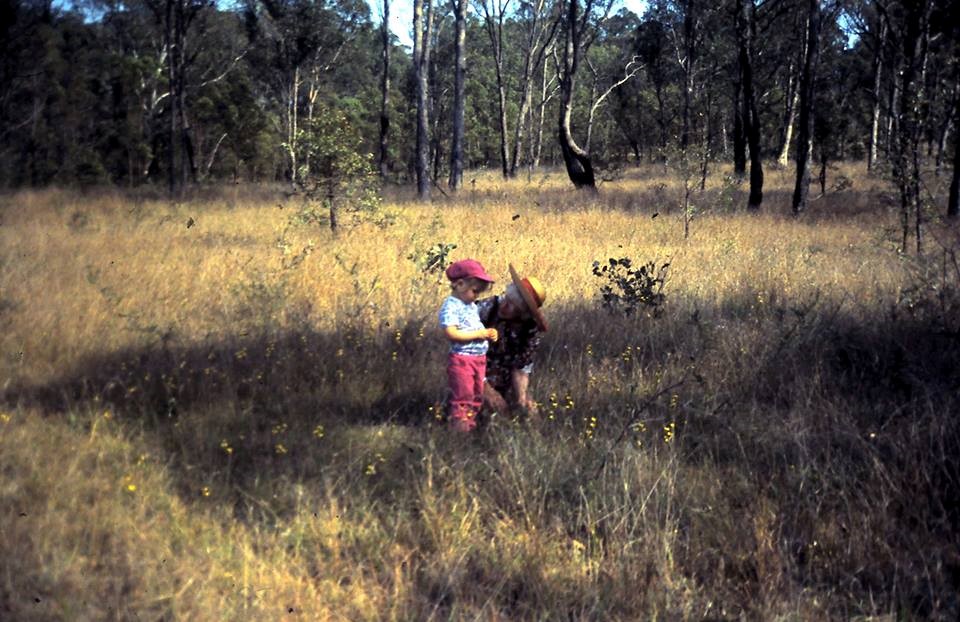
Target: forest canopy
{"points": [[178, 92]]}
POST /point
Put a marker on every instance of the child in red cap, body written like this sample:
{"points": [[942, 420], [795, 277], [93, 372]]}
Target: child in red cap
{"points": [[467, 361]]}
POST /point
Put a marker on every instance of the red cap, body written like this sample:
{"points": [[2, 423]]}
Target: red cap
{"points": [[466, 269]]}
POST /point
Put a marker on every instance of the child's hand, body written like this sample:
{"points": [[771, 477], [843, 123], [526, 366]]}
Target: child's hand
{"points": [[492, 334]]}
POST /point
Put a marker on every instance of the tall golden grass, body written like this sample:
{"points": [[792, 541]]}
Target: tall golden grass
{"points": [[213, 411]]}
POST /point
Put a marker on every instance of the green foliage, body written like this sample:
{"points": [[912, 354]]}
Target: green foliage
{"points": [[626, 289], [730, 190], [261, 298], [433, 260], [334, 176], [89, 171], [88, 95]]}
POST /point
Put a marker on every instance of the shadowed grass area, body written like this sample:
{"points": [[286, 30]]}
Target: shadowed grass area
{"points": [[195, 426]]}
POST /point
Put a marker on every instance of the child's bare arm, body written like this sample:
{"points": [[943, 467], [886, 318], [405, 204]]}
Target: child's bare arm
{"points": [[454, 333]]}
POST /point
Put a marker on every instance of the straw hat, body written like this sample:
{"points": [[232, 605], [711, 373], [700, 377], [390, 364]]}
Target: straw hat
{"points": [[534, 294]]}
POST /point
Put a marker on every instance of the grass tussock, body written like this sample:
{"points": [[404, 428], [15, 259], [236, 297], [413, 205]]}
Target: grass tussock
{"points": [[212, 410]]}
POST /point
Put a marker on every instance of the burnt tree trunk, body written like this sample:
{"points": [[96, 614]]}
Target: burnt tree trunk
{"points": [[187, 166], [385, 92], [953, 200], [907, 166], [577, 161], [751, 123], [687, 66], [807, 80]]}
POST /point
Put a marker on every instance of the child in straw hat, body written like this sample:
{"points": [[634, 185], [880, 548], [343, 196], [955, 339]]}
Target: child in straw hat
{"points": [[517, 316]]}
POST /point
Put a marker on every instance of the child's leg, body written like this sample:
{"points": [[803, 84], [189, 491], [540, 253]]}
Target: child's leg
{"points": [[461, 383], [479, 372]]}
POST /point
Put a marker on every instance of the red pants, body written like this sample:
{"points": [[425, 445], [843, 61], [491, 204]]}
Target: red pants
{"points": [[465, 382]]}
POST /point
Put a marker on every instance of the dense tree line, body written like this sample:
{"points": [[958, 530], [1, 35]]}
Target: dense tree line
{"points": [[180, 92]]}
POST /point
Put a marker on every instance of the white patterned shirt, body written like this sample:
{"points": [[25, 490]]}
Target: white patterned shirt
{"points": [[464, 316]]}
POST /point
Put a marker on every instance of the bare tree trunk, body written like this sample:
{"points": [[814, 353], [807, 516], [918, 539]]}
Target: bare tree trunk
{"points": [[724, 141], [332, 205], [822, 177], [687, 64], [421, 63], [531, 144], [502, 118], [385, 93], [543, 108], [907, 165], [877, 82], [459, 96], [493, 17], [188, 167], [542, 29], [212, 157], [662, 123], [793, 95], [921, 102], [593, 109], [293, 129], [313, 92], [577, 161], [524, 121], [745, 34], [944, 134], [739, 136], [707, 141], [807, 81], [631, 69], [436, 143], [893, 126], [953, 200]]}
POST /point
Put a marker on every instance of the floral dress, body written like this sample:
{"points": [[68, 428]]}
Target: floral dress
{"points": [[514, 349]]}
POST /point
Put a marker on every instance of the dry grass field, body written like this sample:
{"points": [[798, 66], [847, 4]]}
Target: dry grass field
{"points": [[213, 410]]}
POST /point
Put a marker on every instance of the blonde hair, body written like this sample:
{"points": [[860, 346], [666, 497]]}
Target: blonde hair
{"points": [[472, 281]]}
